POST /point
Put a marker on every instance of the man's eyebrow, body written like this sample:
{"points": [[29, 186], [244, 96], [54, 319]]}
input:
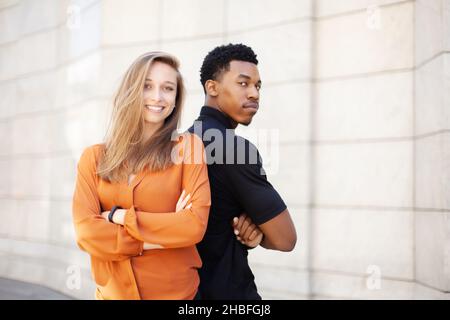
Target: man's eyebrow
{"points": [[247, 77], [148, 79], [244, 76]]}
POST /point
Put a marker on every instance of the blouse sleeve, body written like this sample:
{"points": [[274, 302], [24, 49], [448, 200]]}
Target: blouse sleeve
{"points": [[186, 227], [95, 235]]}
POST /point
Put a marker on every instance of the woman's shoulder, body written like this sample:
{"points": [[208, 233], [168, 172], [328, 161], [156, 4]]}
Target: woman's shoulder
{"points": [[190, 147], [187, 138], [91, 154]]}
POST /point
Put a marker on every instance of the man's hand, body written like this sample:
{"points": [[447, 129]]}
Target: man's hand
{"points": [[246, 231]]}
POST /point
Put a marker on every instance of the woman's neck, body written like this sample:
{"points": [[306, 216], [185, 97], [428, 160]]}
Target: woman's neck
{"points": [[149, 130]]}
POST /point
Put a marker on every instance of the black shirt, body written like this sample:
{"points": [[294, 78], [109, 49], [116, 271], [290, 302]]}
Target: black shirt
{"points": [[238, 185]]}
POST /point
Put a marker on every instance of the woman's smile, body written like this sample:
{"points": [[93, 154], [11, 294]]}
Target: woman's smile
{"points": [[155, 109]]}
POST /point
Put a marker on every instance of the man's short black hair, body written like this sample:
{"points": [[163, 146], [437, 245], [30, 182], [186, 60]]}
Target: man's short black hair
{"points": [[218, 60]]}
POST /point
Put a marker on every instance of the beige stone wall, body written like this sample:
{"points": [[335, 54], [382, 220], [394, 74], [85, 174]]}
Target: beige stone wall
{"points": [[432, 144], [51, 108], [356, 92], [363, 151]]}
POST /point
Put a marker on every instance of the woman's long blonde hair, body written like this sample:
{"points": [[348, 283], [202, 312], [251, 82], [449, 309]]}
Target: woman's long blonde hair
{"points": [[124, 152]]}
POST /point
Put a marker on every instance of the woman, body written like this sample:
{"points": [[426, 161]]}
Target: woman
{"points": [[141, 203]]}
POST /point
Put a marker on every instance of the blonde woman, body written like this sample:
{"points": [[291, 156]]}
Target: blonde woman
{"points": [[141, 203]]}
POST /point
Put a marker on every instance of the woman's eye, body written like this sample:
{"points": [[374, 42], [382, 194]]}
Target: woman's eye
{"points": [[169, 89], [147, 86]]}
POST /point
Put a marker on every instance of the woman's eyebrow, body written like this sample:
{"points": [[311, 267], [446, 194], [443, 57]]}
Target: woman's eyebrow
{"points": [[148, 79]]}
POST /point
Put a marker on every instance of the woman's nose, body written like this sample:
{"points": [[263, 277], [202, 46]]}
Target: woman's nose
{"points": [[156, 95]]}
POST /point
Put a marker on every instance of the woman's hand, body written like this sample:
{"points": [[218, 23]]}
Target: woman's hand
{"points": [[183, 202], [150, 246], [105, 215], [118, 216]]}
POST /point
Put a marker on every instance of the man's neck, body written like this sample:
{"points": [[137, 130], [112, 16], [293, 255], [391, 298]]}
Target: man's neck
{"points": [[215, 105]]}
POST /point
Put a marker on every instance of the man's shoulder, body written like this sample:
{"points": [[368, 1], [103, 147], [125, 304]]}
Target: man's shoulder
{"points": [[241, 151], [243, 142], [223, 145], [211, 128], [202, 127]]}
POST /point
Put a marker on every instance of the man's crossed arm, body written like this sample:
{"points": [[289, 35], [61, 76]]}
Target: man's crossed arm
{"points": [[277, 234]]}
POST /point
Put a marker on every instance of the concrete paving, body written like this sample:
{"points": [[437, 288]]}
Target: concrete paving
{"points": [[18, 290]]}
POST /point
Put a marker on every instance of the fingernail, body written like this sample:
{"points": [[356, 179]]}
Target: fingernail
{"points": [[235, 220], [236, 232]]}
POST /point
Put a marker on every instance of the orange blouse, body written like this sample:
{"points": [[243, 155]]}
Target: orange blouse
{"points": [[120, 266]]}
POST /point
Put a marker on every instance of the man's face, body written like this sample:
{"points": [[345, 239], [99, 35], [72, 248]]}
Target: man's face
{"points": [[238, 91]]}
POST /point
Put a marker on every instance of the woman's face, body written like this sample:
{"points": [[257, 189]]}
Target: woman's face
{"points": [[160, 91]]}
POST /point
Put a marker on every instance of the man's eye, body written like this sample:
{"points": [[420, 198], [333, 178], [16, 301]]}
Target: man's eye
{"points": [[243, 84], [258, 87]]}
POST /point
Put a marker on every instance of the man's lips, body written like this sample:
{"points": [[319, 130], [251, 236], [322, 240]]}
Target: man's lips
{"points": [[252, 105]]}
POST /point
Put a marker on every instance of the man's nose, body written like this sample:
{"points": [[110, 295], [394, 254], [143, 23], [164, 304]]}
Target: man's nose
{"points": [[253, 93]]}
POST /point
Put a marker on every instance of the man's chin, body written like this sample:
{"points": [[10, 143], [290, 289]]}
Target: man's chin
{"points": [[246, 121]]}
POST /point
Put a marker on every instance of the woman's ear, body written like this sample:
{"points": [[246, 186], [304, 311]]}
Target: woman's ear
{"points": [[211, 88]]}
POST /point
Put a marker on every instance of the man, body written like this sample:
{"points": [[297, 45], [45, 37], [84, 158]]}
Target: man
{"points": [[231, 83]]}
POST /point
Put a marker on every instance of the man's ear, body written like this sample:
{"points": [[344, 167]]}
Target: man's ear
{"points": [[211, 87]]}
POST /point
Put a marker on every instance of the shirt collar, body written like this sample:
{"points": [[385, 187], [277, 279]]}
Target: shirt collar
{"points": [[216, 114]]}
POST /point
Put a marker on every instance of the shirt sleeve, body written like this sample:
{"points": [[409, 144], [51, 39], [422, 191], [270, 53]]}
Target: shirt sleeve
{"points": [[95, 235], [258, 198], [186, 227]]}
